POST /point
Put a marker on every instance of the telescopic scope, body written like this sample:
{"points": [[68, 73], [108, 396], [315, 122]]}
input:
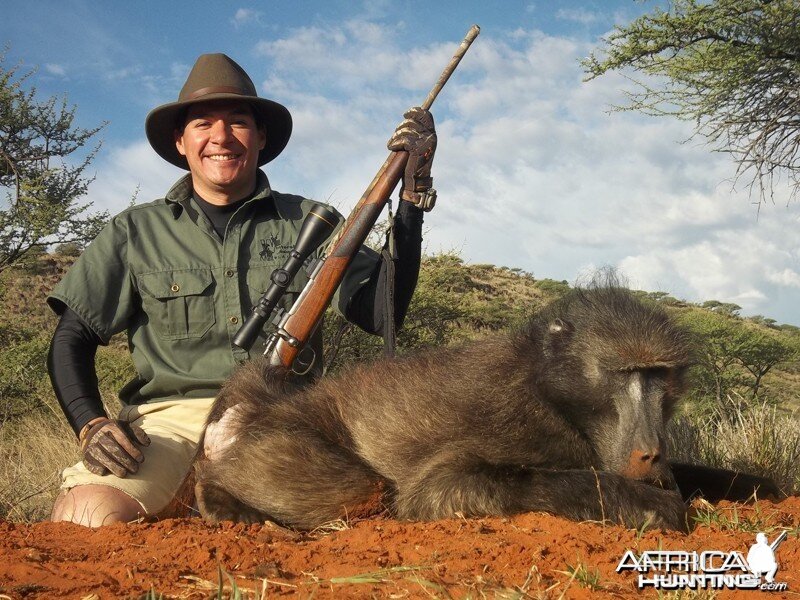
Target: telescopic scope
{"points": [[317, 226]]}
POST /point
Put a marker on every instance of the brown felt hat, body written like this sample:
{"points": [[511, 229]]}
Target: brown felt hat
{"points": [[217, 77]]}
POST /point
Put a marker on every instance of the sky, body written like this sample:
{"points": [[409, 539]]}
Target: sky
{"points": [[533, 170]]}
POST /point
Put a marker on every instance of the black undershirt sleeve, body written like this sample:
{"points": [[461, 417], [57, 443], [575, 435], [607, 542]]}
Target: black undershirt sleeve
{"points": [[366, 308], [70, 364]]}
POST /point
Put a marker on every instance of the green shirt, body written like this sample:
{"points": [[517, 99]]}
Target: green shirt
{"points": [[159, 271]]}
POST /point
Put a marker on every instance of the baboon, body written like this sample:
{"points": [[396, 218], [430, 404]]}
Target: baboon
{"points": [[566, 415]]}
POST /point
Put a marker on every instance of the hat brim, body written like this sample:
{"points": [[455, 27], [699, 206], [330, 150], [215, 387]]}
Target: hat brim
{"points": [[160, 126]]}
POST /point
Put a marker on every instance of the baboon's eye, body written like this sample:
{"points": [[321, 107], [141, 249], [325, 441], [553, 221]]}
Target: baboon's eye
{"points": [[660, 372]]}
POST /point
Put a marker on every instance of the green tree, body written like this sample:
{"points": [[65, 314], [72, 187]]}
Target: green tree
{"points": [[41, 172], [764, 321], [759, 351], [730, 66], [728, 309], [553, 287], [717, 341]]}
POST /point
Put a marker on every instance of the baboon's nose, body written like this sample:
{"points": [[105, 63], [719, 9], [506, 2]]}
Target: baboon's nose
{"points": [[641, 463]]}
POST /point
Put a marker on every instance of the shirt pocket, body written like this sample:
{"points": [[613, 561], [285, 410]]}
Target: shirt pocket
{"points": [[179, 303]]}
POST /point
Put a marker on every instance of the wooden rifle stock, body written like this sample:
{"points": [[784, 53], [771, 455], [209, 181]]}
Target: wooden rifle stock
{"points": [[307, 311]]}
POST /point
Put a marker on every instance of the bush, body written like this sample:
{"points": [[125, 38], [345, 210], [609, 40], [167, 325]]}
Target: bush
{"points": [[73, 249]]}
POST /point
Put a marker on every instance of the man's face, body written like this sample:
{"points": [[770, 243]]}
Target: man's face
{"points": [[221, 141]]}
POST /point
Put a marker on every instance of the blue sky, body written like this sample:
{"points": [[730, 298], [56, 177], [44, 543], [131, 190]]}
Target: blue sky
{"points": [[532, 170]]}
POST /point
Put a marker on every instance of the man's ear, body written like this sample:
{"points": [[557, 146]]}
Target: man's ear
{"points": [[262, 136], [179, 142]]}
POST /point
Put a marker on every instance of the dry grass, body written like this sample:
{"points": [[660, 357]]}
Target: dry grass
{"points": [[758, 439], [33, 451]]}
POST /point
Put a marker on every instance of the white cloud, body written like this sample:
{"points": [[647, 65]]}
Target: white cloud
{"points": [[55, 69], [246, 16], [745, 264], [786, 277], [124, 170], [578, 15]]}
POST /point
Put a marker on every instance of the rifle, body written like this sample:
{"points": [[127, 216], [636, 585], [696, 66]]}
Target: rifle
{"points": [[294, 328]]}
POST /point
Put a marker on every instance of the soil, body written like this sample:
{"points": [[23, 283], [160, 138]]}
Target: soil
{"points": [[529, 555]]}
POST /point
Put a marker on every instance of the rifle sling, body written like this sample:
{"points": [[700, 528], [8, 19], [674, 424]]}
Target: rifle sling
{"points": [[389, 256]]}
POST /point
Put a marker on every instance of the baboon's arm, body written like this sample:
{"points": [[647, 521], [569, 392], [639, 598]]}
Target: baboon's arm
{"points": [[721, 484], [469, 485]]}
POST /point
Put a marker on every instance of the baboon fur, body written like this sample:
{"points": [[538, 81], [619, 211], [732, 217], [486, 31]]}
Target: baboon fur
{"points": [[566, 415]]}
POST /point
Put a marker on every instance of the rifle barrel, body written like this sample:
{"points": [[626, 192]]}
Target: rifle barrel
{"points": [[448, 70], [308, 309]]}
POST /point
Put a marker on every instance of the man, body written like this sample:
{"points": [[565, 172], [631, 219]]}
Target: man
{"points": [[181, 274]]}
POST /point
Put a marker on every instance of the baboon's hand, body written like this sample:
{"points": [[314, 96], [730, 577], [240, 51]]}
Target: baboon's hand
{"points": [[660, 509], [629, 502], [217, 505]]}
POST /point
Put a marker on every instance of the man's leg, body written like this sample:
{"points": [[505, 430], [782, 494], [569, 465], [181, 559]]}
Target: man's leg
{"points": [[158, 489], [94, 505]]}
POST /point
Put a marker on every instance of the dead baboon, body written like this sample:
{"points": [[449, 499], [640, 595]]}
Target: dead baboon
{"points": [[567, 416]]}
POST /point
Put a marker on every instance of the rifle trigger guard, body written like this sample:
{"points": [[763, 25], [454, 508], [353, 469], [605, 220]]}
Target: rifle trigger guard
{"points": [[304, 361]]}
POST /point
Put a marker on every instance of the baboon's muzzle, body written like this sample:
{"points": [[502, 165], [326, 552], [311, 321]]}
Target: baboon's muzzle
{"points": [[649, 466]]}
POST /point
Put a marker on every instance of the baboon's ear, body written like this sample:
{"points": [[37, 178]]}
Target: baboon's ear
{"points": [[560, 328], [559, 332]]}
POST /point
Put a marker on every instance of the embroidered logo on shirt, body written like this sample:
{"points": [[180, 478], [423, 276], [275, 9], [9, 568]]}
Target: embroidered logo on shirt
{"points": [[272, 248]]}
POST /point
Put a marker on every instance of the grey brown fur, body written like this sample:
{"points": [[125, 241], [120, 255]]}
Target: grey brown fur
{"points": [[566, 415]]}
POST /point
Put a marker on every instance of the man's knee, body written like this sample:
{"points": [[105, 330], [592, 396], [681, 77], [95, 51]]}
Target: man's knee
{"points": [[95, 505]]}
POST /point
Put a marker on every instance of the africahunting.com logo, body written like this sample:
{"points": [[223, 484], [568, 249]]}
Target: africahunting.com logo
{"points": [[710, 569]]}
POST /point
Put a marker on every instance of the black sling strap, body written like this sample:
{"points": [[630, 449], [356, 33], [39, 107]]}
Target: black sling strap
{"points": [[389, 257]]}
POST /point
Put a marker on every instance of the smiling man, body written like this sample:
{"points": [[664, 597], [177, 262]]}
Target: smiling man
{"points": [[181, 273], [221, 141]]}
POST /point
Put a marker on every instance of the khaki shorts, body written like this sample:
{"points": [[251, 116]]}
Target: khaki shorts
{"points": [[174, 428]]}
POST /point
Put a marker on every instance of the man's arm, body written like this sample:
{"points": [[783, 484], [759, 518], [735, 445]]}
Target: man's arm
{"points": [[417, 136], [71, 366], [366, 308], [106, 445]]}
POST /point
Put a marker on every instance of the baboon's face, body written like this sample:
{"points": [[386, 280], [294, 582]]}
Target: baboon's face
{"points": [[629, 433], [615, 370]]}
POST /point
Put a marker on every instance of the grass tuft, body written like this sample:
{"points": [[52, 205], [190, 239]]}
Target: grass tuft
{"points": [[376, 576], [734, 518], [585, 576], [754, 439], [33, 451]]}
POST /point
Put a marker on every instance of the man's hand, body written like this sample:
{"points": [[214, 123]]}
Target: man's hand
{"points": [[108, 445], [417, 136]]}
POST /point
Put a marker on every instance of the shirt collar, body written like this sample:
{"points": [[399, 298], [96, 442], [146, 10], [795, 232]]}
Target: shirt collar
{"points": [[181, 193]]}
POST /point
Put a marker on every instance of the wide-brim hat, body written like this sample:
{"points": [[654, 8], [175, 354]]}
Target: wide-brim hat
{"points": [[217, 77]]}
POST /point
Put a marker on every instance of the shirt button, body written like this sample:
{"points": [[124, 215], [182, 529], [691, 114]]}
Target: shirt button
{"points": [[175, 287], [234, 320], [230, 273]]}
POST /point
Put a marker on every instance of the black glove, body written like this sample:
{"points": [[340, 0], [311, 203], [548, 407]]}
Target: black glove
{"points": [[108, 445], [417, 136]]}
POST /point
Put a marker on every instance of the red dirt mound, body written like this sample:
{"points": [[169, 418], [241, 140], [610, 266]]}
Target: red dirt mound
{"points": [[530, 555]]}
